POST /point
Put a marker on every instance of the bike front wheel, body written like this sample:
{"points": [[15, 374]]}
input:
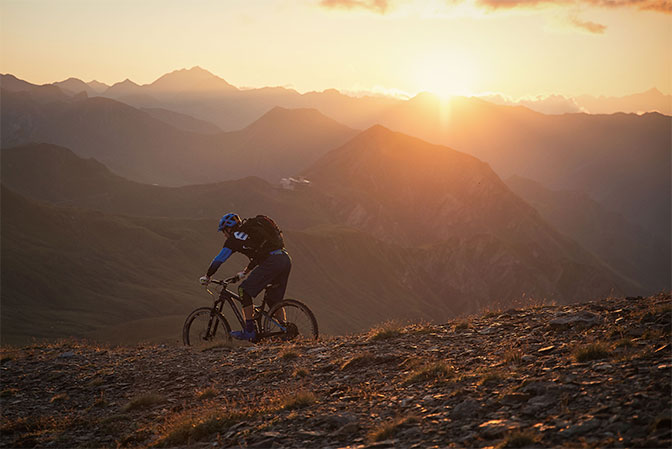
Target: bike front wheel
{"points": [[290, 320], [205, 327]]}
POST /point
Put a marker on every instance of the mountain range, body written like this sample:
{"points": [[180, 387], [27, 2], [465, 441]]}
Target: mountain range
{"points": [[564, 152], [391, 225], [143, 242], [137, 145]]}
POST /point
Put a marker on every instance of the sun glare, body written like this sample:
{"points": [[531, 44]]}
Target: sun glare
{"points": [[445, 78]]}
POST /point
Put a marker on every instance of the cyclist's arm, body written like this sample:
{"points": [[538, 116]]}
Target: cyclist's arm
{"points": [[219, 259]]}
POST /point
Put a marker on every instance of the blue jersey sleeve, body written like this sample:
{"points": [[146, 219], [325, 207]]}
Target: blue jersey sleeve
{"points": [[219, 259]]}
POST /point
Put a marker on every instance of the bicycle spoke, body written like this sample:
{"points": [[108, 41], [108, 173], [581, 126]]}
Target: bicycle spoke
{"points": [[291, 321], [203, 329]]}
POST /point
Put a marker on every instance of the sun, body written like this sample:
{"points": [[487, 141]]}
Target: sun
{"points": [[446, 78]]}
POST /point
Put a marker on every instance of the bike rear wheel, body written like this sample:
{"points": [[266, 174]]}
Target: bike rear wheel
{"points": [[290, 320], [205, 327]]}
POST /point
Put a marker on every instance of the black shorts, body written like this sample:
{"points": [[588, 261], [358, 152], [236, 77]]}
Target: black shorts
{"points": [[275, 271]]}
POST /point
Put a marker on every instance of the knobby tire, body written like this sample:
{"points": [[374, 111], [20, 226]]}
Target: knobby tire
{"points": [[195, 327], [300, 319]]}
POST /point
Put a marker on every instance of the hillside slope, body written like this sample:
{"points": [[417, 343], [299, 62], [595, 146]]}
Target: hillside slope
{"points": [[408, 191], [462, 271], [75, 272], [625, 246], [588, 375]]}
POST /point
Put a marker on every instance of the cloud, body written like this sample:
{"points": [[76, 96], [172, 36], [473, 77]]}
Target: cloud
{"points": [[664, 6], [550, 104], [378, 6], [589, 26], [511, 4]]}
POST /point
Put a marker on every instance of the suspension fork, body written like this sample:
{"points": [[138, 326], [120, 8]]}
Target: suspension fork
{"points": [[216, 310]]}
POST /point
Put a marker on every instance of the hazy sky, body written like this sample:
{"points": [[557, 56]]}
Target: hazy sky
{"points": [[515, 47]]}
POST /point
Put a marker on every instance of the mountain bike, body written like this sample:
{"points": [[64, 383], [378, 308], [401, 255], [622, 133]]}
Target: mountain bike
{"points": [[287, 320]]}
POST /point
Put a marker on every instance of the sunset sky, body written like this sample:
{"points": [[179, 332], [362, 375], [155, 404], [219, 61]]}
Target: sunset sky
{"points": [[514, 47]]}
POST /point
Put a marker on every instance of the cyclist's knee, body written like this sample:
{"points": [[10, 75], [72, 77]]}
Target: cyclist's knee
{"points": [[245, 298]]}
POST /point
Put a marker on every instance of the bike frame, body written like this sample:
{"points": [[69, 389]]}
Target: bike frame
{"points": [[227, 296]]}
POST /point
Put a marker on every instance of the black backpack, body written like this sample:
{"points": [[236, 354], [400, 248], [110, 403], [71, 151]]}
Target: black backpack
{"points": [[264, 233]]}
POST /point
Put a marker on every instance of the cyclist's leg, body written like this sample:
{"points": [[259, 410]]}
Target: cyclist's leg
{"points": [[260, 277], [276, 292]]}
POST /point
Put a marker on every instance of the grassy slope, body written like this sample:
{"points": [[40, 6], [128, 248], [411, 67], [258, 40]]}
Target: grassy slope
{"points": [[69, 271]]}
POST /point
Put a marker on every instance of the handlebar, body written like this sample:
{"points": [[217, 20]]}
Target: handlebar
{"points": [[225, 282]]}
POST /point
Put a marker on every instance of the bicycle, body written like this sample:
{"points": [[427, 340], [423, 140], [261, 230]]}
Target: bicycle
{"points": [[287, 320]]}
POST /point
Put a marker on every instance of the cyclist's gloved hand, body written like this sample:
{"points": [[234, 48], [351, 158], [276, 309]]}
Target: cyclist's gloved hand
{"points": [[241, 275], [204, 280]]}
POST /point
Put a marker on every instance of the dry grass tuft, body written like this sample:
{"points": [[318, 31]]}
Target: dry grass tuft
{"points": [[300, 372], [514, 356], [191, 430], [385, 331], [491, 377], [421, 328], [462, 325], [624, 343], [206, 394], [593, 351], [143, 401], [297, 400], [388, 429], [520, 438], [358, 361], [437, 371], [288, 354]]}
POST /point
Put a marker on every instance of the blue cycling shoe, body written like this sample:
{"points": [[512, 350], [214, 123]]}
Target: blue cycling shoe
{"points": [[244, 335]]}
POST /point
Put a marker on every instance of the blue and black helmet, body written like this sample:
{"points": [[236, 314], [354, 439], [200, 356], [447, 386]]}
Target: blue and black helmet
{"points": [[229, 221]]}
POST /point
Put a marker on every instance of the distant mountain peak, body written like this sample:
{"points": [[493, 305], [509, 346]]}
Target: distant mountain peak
{"points": [[97, 86], [125, 83], [280, 117], [195, 78], [654, 91]]}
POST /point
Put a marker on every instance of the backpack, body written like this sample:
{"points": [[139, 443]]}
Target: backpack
{"points": [[264, 233]]}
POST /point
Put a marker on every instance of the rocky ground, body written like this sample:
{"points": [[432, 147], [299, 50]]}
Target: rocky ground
{"points": [[587, 375]]}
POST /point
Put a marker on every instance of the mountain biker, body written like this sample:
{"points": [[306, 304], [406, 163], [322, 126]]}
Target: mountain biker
{"points": [[261, 241]]}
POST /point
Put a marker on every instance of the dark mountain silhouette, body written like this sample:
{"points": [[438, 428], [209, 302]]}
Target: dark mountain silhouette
{"points": [[192, 80], [201, 94], [11, 83], [98, 86], [45, 93], [138, 146], [123, 89], [182, 121], [75, 86], [625, 246]]}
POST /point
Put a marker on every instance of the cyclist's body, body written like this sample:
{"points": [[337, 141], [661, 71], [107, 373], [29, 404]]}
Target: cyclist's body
{"points": [[269, 264]]}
